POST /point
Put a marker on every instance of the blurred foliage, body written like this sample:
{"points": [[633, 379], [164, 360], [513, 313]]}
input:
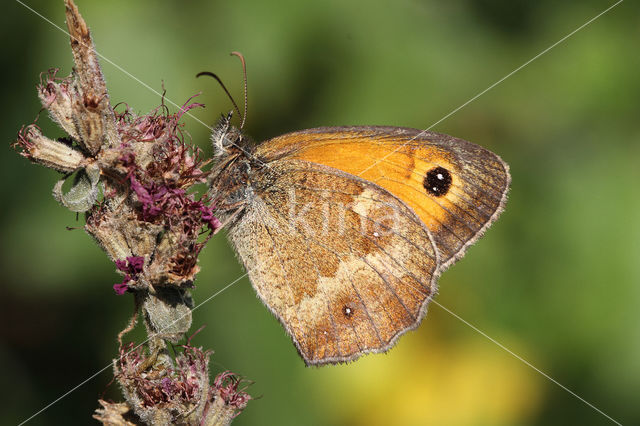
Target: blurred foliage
{"points": [[556, 280]]}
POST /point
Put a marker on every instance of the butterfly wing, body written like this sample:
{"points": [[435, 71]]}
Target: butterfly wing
{"points": [[455, 187], [343, 264]]}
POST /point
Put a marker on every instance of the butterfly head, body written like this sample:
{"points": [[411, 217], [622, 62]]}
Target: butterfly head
{"points": [[229, 180], [226, 138]]}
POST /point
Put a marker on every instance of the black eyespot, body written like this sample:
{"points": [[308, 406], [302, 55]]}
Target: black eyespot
{"points": [[437, 181], [347, 311]]}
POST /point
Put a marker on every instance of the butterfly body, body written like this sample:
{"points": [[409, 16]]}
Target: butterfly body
{"points": [[344, 230]]}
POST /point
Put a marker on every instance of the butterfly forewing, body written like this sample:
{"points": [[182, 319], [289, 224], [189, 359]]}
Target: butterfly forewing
{"points": [[456, 188]]}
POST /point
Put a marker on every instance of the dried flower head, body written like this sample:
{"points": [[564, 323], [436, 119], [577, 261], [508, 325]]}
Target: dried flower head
{"points": [[161, 391], [140, 163], [132, 175]]}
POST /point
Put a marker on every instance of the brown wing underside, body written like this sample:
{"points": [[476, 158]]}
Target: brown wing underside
{"points": [[343, 264]]}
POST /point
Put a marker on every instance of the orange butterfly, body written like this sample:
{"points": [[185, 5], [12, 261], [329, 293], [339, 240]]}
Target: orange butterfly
{"points": [[344, 231]]}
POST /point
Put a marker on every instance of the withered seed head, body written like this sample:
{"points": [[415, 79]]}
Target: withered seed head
{"points": [[131, 175]]}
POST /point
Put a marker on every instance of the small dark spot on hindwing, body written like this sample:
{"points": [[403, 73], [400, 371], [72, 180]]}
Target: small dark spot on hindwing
{"points": [[347, 311]]}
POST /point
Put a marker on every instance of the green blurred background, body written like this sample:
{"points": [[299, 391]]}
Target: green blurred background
{"points": [[556, 280]]}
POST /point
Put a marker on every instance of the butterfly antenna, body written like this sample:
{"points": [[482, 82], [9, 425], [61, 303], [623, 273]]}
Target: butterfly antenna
{"points": [[244, 72], [210, 74]]}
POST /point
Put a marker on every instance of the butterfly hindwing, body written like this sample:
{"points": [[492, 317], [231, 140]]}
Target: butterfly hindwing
{"points": [[341, 262]]}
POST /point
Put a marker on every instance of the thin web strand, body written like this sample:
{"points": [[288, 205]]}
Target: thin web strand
{"points": [[188, 113], [521, 359], [108, 366], [493, 85]]}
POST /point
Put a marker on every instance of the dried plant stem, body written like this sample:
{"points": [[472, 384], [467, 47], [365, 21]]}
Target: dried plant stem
{"points": [[131, 179]]}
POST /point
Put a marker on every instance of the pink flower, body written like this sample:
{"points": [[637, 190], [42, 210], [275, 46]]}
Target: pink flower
{"points": [[121, 288], [132, 266], [227, 384]]}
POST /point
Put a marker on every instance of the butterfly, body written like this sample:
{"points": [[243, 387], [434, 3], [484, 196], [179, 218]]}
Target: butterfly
{"points": [[344, 231]]}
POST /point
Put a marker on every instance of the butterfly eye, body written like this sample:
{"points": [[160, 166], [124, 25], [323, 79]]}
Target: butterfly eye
{"points": [[437, 181]]}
